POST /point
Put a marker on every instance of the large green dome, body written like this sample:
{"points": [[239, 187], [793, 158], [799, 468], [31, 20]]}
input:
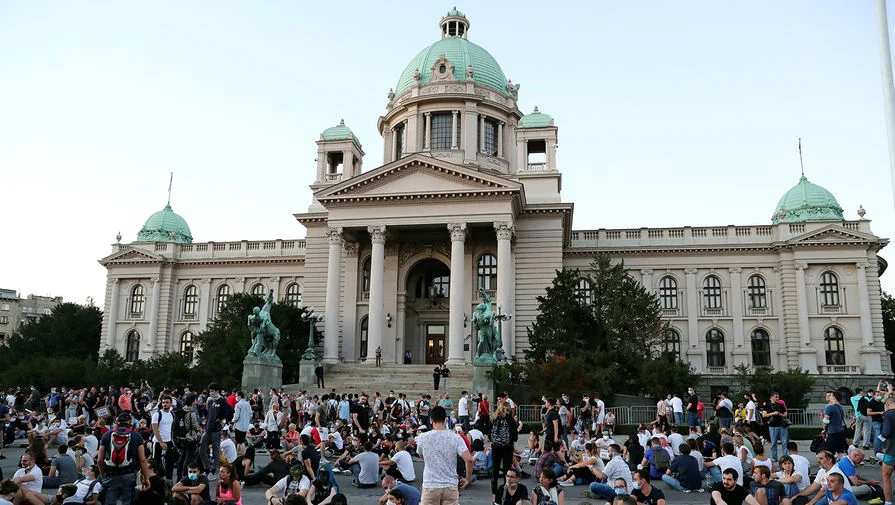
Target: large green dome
{"points": [[807, 202], [159, 226], [461, 53]]}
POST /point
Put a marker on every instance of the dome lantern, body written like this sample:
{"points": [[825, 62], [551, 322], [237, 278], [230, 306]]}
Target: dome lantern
{"points": [[454, 24]]}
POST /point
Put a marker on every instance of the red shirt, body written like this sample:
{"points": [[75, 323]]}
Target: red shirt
{"points": [[231, 401], [484, 407]]}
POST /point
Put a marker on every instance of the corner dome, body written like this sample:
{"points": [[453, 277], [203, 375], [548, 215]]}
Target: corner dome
{"points": [[536, 119], [461, 53], [160, 226], [807, 202], [339, 132]]}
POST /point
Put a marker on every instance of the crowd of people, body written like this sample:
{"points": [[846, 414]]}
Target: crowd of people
{"points": [[198, 447]]}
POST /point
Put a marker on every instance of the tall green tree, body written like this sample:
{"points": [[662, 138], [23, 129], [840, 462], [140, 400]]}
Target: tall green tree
{"points": [[606, 320], [223, 346]]}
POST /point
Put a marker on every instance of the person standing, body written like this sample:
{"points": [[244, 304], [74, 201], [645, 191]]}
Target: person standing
{"points": [[677, 406], [242, 417], [190, 435], [439, 449], [463, 410], [408, 357], [693, 410], [834, 424], [379, 355], [724, 410], [120, 470], [445, 376], [503, 436], [863, 427], [552, 427], [318, 372], [162, 429], [436, 376], [218, 413], [774, 413], [888, 448]]}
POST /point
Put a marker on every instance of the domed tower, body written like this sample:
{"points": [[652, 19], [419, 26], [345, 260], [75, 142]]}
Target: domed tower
{"points": [[339, 155], [165, 226], [807, 202], [453, 101]]}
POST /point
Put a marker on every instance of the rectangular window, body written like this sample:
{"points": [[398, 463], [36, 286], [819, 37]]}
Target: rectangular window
{"points": [[490, 137], [5, 307], [4, 319], [399, 141], [441, 130]]}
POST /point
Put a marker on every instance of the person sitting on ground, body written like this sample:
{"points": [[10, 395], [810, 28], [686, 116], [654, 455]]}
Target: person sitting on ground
{"points": [[296, 483], [63, 470], [657, 459], [408, 493], [193, 489], [616, 470], [8, 490], [400, 466], [684, 474], [322, 490], [229, 491], [644, 492], [767, 491], [511, 492], [271, 473], [551, 460], [860, 487], [816, 491], [548, 490], [836, 494], [88, 487], [365, 467], [584, 469], [790, 477], [728, 492], [603, 443]]}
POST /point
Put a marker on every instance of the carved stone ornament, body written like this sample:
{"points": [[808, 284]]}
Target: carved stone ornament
{"points": [[469, 71], [505, 230], [408, 250], [377, 233], [351, 249], [458, 231], [454, 88], [391, 94], [442, 70], [335, 234], [416, 75]]}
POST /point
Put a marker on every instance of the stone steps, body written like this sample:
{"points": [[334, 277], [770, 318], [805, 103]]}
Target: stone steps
{"points": [[411, 380]]}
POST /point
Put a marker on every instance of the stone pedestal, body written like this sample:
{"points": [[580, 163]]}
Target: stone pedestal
{"points": [[263, 374], [306, 378], [480, 381]]}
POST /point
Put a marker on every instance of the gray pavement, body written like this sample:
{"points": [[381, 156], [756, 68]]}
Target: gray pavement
{"points": [[477, 493]]}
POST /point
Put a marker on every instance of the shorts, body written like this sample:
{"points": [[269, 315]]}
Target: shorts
{"points": [[693, 419], [240, 436], [836, 442], [888, 460]]}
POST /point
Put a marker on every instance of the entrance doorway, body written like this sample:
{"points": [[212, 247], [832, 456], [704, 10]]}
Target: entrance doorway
{"points": [[435, 339]]}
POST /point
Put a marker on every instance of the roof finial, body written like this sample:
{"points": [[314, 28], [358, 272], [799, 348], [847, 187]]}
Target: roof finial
{"points": [[801, 162], [170, 183]]}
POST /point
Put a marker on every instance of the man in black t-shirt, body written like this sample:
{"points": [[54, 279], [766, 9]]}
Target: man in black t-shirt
{"points": [[512, 492], [728, 492], [360, 417], [586, 415], [773, 414], [194, 484], [766, 490], [552, 429], [644, 492], [310, 457], [693, 409]]}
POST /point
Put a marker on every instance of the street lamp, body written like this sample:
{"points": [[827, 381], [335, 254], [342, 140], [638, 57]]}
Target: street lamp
{"points": [[500, 317], [312, 318]]}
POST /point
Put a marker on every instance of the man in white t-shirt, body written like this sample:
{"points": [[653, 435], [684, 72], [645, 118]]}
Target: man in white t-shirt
{"points": [[728, 460], [228, 447], [816, 491], [677, 406], [29, 478], [162, 424], [599, 413], [400, 466], [439, 449], [750, 411], [463, 410], [675, 440], [294, 483]]}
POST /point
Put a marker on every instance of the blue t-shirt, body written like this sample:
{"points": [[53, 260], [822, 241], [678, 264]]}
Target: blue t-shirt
{"points": [[688, 468], [4, 411], [412, 495], [847, 467], [847, 496], [835, 412], [651, 457], [344, 409]]}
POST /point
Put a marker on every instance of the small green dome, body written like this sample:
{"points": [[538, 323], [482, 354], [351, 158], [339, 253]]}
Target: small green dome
{"points": [[461, 53], [338, 132], [455, 12], [536, 119], [807, 202], [159, 226]]}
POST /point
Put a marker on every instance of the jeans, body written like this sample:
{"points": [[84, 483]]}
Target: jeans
{"points": [[602, 490], [671, 481], [120, 487], [714, 475], [213, 438], [678, 418], [464, 420], [877, 443], [782, 434], [165, 461], [558, 469], [187, 456]]}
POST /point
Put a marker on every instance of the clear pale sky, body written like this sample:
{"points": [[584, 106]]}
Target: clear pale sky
{"points": [[669, 113]]}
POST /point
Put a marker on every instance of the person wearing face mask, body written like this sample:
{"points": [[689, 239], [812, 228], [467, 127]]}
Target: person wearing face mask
{"points": [[875, 410], [614, 471], [398, 492], [512, 492], [576, 448], [121, 453], [365, 467], [28, 477], [296, 483], [218, 413], [693, 409], [644, 492], [603, 444], [193, 489]]}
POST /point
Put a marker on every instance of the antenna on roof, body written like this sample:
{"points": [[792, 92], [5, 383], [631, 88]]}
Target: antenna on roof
{"points": [[170, 182], [801, 162]]}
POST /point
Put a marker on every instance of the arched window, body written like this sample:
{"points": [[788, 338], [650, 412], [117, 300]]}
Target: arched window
{"points": [[487, 276], [293, 294], [668, 292], [224, 293], [834, 346], [671, 345], [138, 299], [829, 289], [258, 290], [711, 292], [186, 345], [190, 302], [364, 333], [584, 291], [761, 347], [365, 279], [758, 296], [132, 352], [714, 340]]}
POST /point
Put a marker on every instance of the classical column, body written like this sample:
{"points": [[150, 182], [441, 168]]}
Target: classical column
{"points": [[864, 307], [153, 314], [481, 133], [692, 308], [454, 129], [394, 153], [802, 300], [401, 341], [458, 293], [736, 311], [500, 139], [347, 164], [204, 302], [426, 140], [521, 155], [647, 279], [113, 313], [506, 291], [333, 296], [377, 287], [349, 317]]}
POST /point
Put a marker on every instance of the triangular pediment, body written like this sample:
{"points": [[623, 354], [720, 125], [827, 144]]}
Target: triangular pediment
{"points": [[833, 234], [131, 255], [418, 175]]}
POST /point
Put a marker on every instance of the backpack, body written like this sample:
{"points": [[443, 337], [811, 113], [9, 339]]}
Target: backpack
{"points": [[661, 460], [333, 413], [179, 428], [118, 455], [89, 489], [500, 433]]}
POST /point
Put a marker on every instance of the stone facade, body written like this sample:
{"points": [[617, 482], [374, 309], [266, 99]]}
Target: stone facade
{"points": [[468, 197], [15, 310]]}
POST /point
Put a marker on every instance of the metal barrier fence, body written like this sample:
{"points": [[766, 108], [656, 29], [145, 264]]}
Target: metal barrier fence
{"points": [[646, 414]]}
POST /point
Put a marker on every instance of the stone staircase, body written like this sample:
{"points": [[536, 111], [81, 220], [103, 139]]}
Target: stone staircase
{"points": [[411, 380]]}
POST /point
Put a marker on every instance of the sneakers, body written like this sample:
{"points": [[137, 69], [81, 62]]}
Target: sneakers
{"points": [[875, 501], [686, 491], [566, 483], [700, 490]]}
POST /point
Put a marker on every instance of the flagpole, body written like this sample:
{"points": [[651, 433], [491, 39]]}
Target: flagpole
{"points": [[888, 83]]}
